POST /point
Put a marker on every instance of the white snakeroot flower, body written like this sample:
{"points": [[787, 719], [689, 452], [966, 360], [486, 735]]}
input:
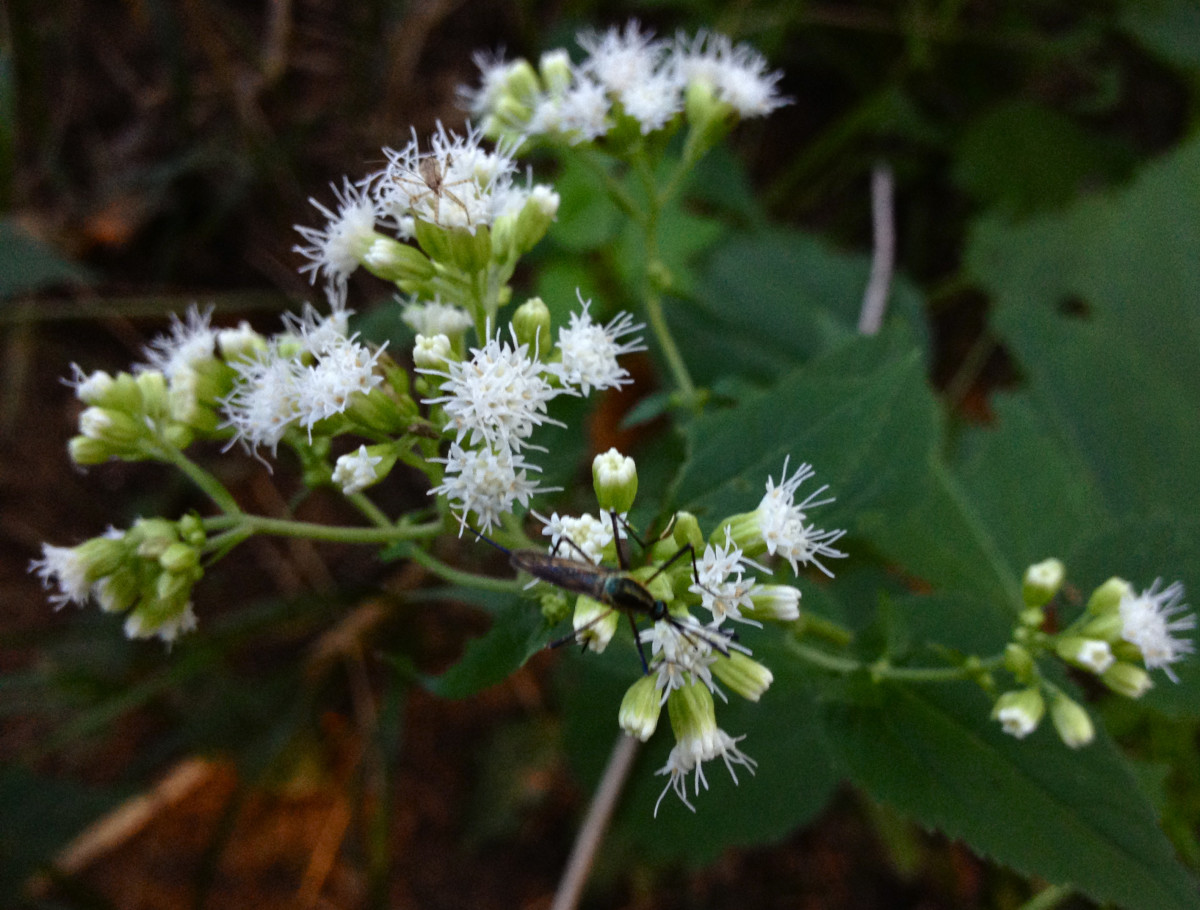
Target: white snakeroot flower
{"points": [[702, 741], [336, 249], [737, 74], [590, 350], [587, 534], [782, 525], [1095, 655], [580, 114], [621, 59], [485, 482], [496, 397], [326, 387], [494, 72], [653, 102], [454, 185], [66, 569], [139, 624], [1151, 619], [356, 471], [721, 595], [435, 318], [1019, 711], [681, 654], [190, 343], [90, 388], [263, 403]]}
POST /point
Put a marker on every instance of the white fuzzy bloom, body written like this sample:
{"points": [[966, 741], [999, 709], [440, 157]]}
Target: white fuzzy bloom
{"points": [[580, 114], [494, 72], [66, 569], [189, 344], [681, 654], [1150, 620], [436, 318], [737, 74], [689, 754], [338, 248], [454, 185], [586, 534], [723, 587], [326, 387], [621, 60], [782, 524], [264, 400], [497, 397], [653, 102], [356, 470], [485, 482], [590, 350]]}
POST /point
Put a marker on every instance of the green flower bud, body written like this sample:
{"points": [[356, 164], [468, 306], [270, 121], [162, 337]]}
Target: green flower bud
{"points": [[119, 431], [1127, 679], [153, 386], [531, 322], [84, 450], [1072, 722], [1107, 598], [1019, 711], [687, 530], [152, 536], [1104, 628], [556, 72], [615, 480], [1042, 581], [178, 435], [191, 530], [778, 603], [595, 624], [531, 222], [179, 558], [1089, 654], [1032, 617], [119, 591], [744, 675], [1019, 662], [709, 119], [554, 606], [432, 353], [640, 708], [398, 262]]}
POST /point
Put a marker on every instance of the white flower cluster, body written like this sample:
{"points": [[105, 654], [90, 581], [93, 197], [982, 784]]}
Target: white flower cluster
{"points": [[307, 374], [453, 184], [495, 398], [1150, 621], [626, 73]]}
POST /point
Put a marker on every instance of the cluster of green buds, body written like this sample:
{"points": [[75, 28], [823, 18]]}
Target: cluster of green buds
{"points": [[1118, 629], [686, 576], [146, 572]]}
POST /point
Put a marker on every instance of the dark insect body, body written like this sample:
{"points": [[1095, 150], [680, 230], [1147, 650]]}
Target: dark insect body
{"points": [[615, 588]]}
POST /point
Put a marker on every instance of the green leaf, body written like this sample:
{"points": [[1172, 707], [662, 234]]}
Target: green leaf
{"points": [[1072, 817], [865, 418], [1169, 29], [587, 218]]}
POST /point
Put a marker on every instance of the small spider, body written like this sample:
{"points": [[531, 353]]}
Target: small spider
{"points": [[430, 180]]}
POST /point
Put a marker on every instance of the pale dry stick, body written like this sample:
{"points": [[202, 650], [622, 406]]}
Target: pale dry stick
{"points": [[583, 854], [884, 257]]}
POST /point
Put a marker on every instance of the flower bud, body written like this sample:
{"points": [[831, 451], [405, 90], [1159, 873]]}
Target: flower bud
{"points": [[117, 430], [394, 261], [1019, 662], [556, 71], [83, 450], [531, 322], [744, 675], [1072, 722], [533, 220], [1107, 598], [779, 603], [1019, 711], [595, 624], [431, 353], [153, 386], [615, 480], [1087, 653], [1042, 581], [640, 708], [367, 466], [179, 558], [1127, 679]]}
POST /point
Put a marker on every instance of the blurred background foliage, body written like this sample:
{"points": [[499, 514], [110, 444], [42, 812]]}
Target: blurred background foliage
{"points": [[157, 153]]}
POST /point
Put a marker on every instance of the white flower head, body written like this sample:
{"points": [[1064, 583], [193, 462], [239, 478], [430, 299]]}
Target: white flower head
{"points": [[190, 343], [690, 752], [454, 185], [590, 350], [1150, 620], [143, 623], [327, 387], [494, 72], [431, 351], [497, 397], [782, 522], [723, 587], [435, 318], [580, 114], [586, 534], [263, 402], [681, 654], [66, 569], [336, 249], [356, 471], [621, 60], [485, 482], [737, 74]]}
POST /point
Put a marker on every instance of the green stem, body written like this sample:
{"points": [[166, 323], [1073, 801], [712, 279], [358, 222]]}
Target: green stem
{"points": [[245, 524], [210, 486], [882, 669], [458, 577], [666, 343], [369, 510]]}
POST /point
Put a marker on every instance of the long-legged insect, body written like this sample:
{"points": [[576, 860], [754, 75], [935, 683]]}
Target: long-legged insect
{"points": [[433, 182], [615, 588]]}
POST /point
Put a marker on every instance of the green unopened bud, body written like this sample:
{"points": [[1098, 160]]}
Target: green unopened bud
{"points": [[1019, 711], [1019, 662], [1072, 722], [179, 435], [709, 118], [167, 620], [531, 222], [693, 714], [778, 603], [745, 531], [554, 605], [191, 530], [556, 71], [615, 480], [120, 392], [1107, 598], [179, 558], [398, 262], [1127, 679], [640, 708], [744, 675], [1042, 581], [240, 344], [531, 322], [365, 467], [1089, 654], [686, 530], [152, 536], [117, 430], [595, 623], [119, 591], [432, 353], [153, 386], [83, 450]]}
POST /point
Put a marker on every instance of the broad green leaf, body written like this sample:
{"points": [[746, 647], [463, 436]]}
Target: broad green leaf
{"points": [[865, 418], [1169, 29], [587, 218], [1072, 817], [28, 265]]}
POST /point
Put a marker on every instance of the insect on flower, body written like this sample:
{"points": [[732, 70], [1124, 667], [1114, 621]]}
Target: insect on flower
{"points": [[430, 180], [614, 588]]}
